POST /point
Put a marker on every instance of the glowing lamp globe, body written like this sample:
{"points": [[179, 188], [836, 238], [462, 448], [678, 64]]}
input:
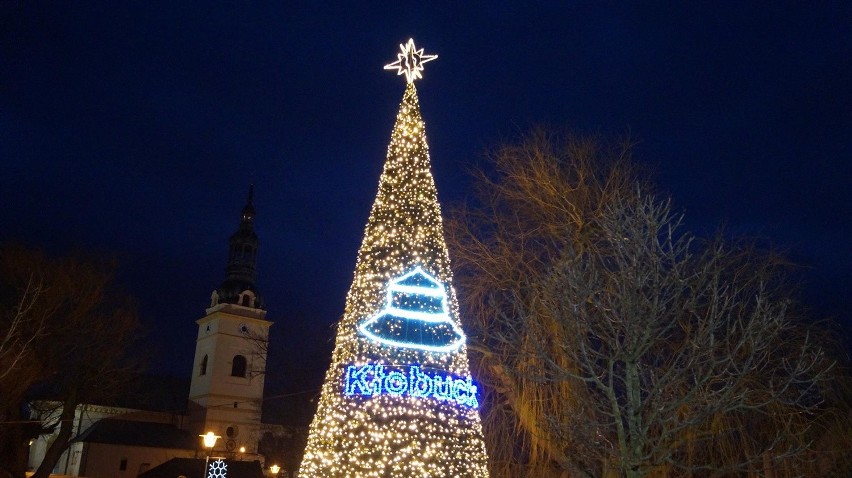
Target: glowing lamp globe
{"points": [[210, 439]]}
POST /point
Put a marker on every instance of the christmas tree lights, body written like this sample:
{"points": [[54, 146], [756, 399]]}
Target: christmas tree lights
{"points": [[398, 400]]}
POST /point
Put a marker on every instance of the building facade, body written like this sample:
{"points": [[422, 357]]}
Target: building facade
{"points": [[225, 390]]}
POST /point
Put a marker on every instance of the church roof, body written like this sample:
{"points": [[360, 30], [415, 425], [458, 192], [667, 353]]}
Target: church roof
{"points": [[154, 393], [143, 434], [195, 467], [241, 271]]}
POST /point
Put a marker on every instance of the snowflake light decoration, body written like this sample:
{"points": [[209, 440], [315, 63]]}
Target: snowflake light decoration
{"points": [[218, 469], [410, 61]]}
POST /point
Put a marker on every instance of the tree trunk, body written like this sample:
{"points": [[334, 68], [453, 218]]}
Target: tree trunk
{"points": [[66, 427], [13, 449]]}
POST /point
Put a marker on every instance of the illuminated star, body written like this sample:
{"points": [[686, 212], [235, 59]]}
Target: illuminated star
{"points": [[410, 61]]}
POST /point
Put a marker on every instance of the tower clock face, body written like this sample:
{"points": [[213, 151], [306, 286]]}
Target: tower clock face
{"points": [[244, 329]]}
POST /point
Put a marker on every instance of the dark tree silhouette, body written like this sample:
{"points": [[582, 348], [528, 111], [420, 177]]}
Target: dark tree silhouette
{"points": [[614, 343], [74, 346]]}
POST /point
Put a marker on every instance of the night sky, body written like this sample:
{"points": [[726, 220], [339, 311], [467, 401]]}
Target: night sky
{"points": [[135, 128]]}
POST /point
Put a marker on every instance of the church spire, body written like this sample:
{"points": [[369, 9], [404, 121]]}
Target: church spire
{"points": [[241, 272]]}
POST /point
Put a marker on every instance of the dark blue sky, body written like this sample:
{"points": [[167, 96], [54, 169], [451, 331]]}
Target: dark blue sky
{"points": [[136, 127]]}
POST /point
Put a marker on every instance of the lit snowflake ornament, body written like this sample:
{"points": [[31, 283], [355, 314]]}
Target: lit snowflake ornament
{"points": [[218, 469], [410, 61]]}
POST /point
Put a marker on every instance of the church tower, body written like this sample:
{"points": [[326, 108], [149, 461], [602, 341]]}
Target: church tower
{"points": [[226, 391]]}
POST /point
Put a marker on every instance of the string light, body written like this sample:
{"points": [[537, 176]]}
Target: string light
{"points": [[370, 380], [415, 315], [410, 61], [390, 406]]}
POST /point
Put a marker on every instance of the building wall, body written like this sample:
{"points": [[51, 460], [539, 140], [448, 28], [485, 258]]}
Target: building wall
{"points": [[100, 460], [229, 406], [84, 417]]}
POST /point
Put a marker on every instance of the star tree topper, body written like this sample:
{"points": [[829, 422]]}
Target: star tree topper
{"points": [[410, 61]]}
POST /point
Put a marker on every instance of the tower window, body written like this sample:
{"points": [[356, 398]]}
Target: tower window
{"points": [[247, 298], [202, 368], [122, 466], [238, 366]]}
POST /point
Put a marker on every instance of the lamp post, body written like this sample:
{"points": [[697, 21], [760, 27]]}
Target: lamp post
{"points": [[274, 469], [209, 442]]}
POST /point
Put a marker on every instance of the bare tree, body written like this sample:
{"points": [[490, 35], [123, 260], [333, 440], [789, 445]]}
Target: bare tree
{"points": [[27, 307], [20, 327], [257, 347], [614, 343], [80, 349], [28, 302]]}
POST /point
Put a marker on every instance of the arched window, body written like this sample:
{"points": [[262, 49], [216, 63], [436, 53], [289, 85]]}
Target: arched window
{"points": [[238, 366], [202, 369], [247, 298]]}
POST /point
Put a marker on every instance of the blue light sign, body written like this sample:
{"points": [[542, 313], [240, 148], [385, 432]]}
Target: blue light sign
{"points": [[374, 379]]}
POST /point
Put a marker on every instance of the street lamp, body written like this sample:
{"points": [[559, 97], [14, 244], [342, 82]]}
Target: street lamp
{"points": [[209, 442], [274, 469]]}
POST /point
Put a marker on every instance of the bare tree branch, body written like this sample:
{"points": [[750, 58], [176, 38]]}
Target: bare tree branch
{"points": [[65, 329], [613, 341]]}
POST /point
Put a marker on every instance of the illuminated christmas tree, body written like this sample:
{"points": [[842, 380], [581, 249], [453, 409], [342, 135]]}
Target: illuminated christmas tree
{"points": [[398, 400]]}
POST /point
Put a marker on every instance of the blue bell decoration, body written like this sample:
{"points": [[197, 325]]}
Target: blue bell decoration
{"points": [[415, 315]]}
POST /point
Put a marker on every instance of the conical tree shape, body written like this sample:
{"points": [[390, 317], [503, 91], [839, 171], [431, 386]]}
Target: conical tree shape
{"points": [[397, 400]]}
